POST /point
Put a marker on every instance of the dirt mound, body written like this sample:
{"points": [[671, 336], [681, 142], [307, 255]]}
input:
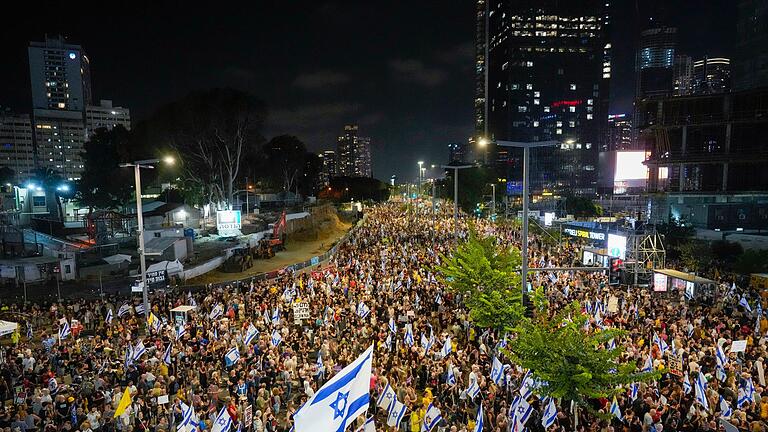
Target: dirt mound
{"points": [[318, 227]]}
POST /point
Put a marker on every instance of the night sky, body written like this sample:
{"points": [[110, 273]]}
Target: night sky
{"points": [[402, 70]]}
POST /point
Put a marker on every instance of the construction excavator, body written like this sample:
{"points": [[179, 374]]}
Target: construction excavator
{"points": [[242, 258]]}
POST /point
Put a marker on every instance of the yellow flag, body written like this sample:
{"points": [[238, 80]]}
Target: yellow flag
{"points": [[125, 401], [151, 319]]}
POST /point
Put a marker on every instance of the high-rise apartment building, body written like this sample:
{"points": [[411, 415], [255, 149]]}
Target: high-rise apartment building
{"points": [[750, 59], [654, 63], [549, 66], [327, 167], [682, 75], [60, 75], [16, 150], [457, 153], [619, 133], [353, 153], [481, 35], [711, 75], [106, 116]]}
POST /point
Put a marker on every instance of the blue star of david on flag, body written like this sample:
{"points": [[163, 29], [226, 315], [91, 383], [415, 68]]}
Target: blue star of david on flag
{"points": [[339, 405]]}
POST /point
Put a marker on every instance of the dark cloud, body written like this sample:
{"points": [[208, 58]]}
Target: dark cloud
{"points": [[415, 71], [320, 80]]}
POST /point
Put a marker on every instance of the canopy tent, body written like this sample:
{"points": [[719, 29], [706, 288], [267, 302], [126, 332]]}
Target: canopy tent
{"points": [[117, 258], [7, 327], [172, 267]]}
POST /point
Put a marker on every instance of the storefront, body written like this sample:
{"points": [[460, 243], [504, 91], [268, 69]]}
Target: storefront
{"points": [[690, 285]]}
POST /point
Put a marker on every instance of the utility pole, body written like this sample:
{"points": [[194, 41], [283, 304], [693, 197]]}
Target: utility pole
{"points": [[526, 190], [456, 169]]}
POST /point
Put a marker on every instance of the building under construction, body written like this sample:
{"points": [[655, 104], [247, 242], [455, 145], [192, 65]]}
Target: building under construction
{"points": [[706, 157]]}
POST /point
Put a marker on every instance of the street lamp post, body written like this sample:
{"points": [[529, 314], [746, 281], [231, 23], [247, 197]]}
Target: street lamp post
{"points": [[418, 190], [456, 169], [140, 218], [526, 146], [493, 199]]}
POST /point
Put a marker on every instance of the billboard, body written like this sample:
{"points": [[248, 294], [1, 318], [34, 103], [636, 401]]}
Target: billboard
{"points": [[548, 218], [630, 173], [617, 246], [659, 282], [228, 223]]}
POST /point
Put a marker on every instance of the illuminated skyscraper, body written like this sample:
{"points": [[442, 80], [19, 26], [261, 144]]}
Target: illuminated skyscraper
{"points": [[354, 154]]}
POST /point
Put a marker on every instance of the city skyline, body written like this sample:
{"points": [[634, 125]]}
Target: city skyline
{"points": [[412, 91]]}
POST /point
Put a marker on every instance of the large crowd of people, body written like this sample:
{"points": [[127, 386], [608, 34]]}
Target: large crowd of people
{"points": [[242, 349]]}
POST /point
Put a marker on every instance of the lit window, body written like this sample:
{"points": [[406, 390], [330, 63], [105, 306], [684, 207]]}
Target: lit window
{"points": [[588, 145], [572, 108], [559, 131], [590, 101], [535, 124], [529, 86], [536, 94], [514, 87], [529, 64], [573, 86], [572, 123], [589, 116], [535, 101], [559, 124], [578, 146], [522, 108], [546, 109]]}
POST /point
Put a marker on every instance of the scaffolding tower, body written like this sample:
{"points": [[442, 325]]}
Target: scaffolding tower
{"points": [[645, 252]]}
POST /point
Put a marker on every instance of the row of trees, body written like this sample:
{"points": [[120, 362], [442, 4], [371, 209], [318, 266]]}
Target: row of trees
{"points": [[216, 138], [554, 345]]}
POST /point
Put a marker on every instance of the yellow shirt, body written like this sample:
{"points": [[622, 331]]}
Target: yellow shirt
{"points": [[417, 417]]}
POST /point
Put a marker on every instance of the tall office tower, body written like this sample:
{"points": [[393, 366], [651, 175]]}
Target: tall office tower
{"points": [[353, 153], [481, 36], [750, 59], [327, 167], [16, 151], [106, 116], [654, 62], [711, 75], [549, 66], [619, 133], [61, 89], [457, 153], [682, 75], [363, 157]]}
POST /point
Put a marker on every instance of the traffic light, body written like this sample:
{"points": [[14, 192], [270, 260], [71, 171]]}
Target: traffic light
{"points": [[614, 271]]}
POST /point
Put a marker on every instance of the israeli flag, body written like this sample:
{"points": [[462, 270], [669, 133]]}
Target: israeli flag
{"points": [[687, 384], [124, 309], [188, 417], [749, 389], [450, 376], [425, 343], [479, 420], [615, 410], [341, 400], [663, 347], [191, 299], [216, 312], [611, 344], [431, 418], [180, 332], [108, 319], [276, 316], [701, 397], [139, 308], [128, 360], [745, 304], [232, 356], [522, 413], [386, 398], [30, 332], [276, 338], [438, 299], [396, 414], [690, 330], [363, 310], [251, 334], [266, 317], [138, 351], [550, 414], [408, 335], [526, 389], [392, 326], [720, 373], [473, 390], [167, 355], [633, 389], [65, 330], [497, 372], [223, 421], [389, 342], [53, 386], [368, 426], [722, 360], [447, 347], [725, 408], [320, 365], [648, 366]]}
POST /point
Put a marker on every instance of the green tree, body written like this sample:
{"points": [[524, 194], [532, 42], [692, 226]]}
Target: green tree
{"points": [[695, 255], [726, 251], [582, 207], [487, 277], [752, 261], [288, 166], [472, 183], [103, 184], [573, 362]]}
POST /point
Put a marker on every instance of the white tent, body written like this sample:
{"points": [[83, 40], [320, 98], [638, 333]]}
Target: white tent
{"points": [[173, 267], [117, 258], [7, 327]]}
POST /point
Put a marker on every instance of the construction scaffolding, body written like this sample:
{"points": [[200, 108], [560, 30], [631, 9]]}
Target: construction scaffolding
{"points": [[645, 252]]}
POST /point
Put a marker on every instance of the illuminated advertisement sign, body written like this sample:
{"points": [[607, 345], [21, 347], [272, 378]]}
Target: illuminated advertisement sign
{"points": [[659, 282], [228, 223], [583, 233], [617, 246], [548, 218]]}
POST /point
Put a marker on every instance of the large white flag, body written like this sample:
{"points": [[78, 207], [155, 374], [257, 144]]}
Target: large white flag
{"points": [[340, 401]]}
